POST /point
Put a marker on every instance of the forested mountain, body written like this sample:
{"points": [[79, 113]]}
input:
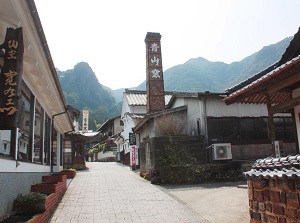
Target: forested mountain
{"points": [[199, 74], [83, 90]]}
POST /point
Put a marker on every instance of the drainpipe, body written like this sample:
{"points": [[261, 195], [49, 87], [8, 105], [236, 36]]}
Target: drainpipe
{"points": [[52, 149], [198, 126]]}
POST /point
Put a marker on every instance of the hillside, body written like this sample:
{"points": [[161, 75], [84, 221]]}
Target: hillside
{"points": [[199, 74], [83, 90]]}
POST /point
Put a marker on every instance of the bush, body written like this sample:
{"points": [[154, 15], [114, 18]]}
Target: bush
{"points": [[176, 155], [70, 169], [76, 167], [32, 203]]}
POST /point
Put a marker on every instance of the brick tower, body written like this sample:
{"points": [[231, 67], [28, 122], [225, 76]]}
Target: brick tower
{"points": [[154, 78]]}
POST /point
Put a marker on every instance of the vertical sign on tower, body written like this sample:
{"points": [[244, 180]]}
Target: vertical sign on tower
{"points": [[85, 121], [154, 77]]}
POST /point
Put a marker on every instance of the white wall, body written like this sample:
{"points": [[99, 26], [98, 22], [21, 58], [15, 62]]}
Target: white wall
{"points": [[19, 166], [217, 108]]}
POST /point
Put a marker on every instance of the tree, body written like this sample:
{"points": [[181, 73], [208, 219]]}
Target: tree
{"points": [[170, 124]]}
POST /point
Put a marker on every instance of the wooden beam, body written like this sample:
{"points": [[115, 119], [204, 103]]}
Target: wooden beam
{"points": [[284, 83], [285, 105]]}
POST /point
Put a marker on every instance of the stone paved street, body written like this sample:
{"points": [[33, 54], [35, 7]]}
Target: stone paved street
{"points": [[110, 192]]}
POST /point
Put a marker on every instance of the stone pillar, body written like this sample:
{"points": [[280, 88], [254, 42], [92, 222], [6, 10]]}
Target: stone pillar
{"points": [[154, 77]]}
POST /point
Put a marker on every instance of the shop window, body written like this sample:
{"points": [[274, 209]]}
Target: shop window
{"points": [[5, 142], [23, 133], [47, 130], [38, 132]]}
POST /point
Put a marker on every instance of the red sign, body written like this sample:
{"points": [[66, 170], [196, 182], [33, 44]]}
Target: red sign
{"points": [[133, 156]]}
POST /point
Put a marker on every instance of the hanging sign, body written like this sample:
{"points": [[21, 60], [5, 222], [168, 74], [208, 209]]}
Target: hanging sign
{"points": [[85, 121], [11, 103], [132, 139]]}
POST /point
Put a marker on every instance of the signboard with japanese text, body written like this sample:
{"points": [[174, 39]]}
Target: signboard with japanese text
{"points": [[134, 156], [154, 70], [85, 121], [132, 139], [11, 104]]}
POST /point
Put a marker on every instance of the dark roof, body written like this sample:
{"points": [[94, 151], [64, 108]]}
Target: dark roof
{"points": [[292, 50], [157, 114], [107, 123], [283, 167]]}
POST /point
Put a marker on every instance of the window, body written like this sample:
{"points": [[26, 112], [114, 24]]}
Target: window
{"points": [[284, 128], [215, 130], [5, 142], [23, 133], [261, 128], [279, 128], [248, 130], [289, 128], [230, 129], [38, 132]]}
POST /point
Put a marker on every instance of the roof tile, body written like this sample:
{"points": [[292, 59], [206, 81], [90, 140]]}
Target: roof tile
{"points": [[283, 167]]}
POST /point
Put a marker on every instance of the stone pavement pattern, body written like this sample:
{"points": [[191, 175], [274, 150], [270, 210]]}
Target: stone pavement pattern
{"points": [[110, 192]]}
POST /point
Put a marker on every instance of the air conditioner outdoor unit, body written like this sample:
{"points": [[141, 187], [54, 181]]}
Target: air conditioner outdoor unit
{"points": [[221, 151]]}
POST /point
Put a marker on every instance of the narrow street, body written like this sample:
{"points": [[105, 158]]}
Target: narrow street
{"points": [[110, 192]]}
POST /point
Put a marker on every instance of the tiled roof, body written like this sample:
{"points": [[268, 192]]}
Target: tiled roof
{"points": [[283, 167], [140, 98], [136, 115]]}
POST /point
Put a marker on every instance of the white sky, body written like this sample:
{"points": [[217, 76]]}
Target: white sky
{"points": [[109, 34]]}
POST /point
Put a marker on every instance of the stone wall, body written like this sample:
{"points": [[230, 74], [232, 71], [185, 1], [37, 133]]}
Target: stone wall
{"points": [[150, 150]]}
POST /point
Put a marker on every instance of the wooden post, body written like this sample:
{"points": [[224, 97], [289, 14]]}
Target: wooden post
{"points": [[271, 125]]}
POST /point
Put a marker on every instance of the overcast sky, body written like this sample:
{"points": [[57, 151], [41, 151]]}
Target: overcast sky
{"points": [[109, 34]]}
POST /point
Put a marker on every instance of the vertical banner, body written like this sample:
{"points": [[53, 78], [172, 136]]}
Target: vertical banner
{"points": [[133, 156], [85, 121], [11, 79]]}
